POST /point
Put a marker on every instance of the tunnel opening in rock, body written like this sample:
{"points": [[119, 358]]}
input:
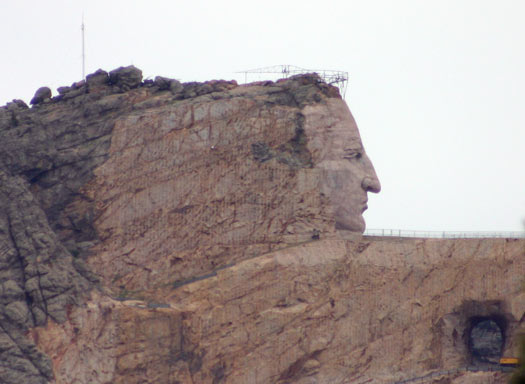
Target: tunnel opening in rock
{"points": [[486, 339]]}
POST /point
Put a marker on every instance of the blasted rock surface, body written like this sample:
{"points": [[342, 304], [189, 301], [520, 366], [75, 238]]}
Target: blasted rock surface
{"points": [[194, 185], [327, 311], [158, 232]]}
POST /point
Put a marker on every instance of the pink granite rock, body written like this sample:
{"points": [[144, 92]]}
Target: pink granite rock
{"points": [[329, 311], [211, 233]]}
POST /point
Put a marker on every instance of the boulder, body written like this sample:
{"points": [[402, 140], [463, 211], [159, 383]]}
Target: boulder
{"points": [[162, 82], [165, 83], [78, 84], [100, 77], [175, 86], [42, 94], [63, 90], [126, 78], [16, 104]]}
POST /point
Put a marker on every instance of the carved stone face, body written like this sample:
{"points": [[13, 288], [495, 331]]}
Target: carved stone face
{"points": [[347, 174]]}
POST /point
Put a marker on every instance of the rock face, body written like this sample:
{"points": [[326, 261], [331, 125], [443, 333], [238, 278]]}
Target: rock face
{"points": [[159, 232], [193, 186], [327, 311]]}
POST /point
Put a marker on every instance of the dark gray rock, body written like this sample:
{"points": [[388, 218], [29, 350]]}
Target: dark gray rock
{"points": [[163, 83], [126, 78], [78, 84], [37, 281], [21, 361], [63, 90], [16, 104], [75, 92], [46, 155], [194, 89], [10, 114], [294, 153], [41, 95], [100, 77], [261, 152], [175, 86], [5, 119]]}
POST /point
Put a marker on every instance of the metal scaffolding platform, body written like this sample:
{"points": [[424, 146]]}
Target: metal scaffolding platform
{"points": [[336, 78]]}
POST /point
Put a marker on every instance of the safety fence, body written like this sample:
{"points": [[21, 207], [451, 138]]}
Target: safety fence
{"points": [[443, 234], [433, 375]]}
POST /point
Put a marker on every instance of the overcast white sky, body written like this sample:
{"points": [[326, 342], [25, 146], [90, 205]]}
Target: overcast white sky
{"points": [[437, 87]]}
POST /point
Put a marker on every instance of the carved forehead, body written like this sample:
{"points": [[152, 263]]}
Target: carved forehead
{"points": [[331, 130]]}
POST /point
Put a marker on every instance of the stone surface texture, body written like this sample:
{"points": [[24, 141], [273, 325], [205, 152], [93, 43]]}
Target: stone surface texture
{"points": [[327, 311], [159, 232]]}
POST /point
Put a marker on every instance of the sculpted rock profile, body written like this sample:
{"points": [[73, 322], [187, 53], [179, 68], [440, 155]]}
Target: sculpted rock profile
{"points": [[193, 185], [346, 172], [158, 232]]}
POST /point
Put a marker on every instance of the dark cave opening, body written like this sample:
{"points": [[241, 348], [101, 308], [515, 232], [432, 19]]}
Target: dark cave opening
{"points": [[486, 338]]}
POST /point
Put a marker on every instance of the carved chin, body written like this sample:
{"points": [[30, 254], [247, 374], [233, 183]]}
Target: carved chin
{"points": [[354, 223]]}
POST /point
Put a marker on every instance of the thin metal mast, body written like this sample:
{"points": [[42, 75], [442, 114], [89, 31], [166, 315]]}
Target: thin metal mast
{"points": [[83, 51]]}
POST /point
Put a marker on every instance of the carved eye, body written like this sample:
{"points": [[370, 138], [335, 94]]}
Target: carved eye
{"points": [[352, 154]]}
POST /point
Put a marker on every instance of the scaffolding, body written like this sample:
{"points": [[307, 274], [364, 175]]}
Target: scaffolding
{"points": [[336, 78]]}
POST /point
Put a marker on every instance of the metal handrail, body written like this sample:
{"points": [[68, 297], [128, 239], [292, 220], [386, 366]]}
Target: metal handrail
{"points": [[429, 377], [444, 234]]}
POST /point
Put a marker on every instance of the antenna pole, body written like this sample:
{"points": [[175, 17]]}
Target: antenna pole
{"points": [[83, 50]]}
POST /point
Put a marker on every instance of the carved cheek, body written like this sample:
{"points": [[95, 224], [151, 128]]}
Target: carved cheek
{"points": [[342, 183], [327, 182]]}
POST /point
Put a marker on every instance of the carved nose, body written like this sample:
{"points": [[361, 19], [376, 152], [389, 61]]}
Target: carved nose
{"points": [[371, 184]]}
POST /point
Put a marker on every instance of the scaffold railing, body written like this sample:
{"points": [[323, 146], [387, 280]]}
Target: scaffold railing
{"points": [[332, 77], [444, 234], [431, 377]]}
